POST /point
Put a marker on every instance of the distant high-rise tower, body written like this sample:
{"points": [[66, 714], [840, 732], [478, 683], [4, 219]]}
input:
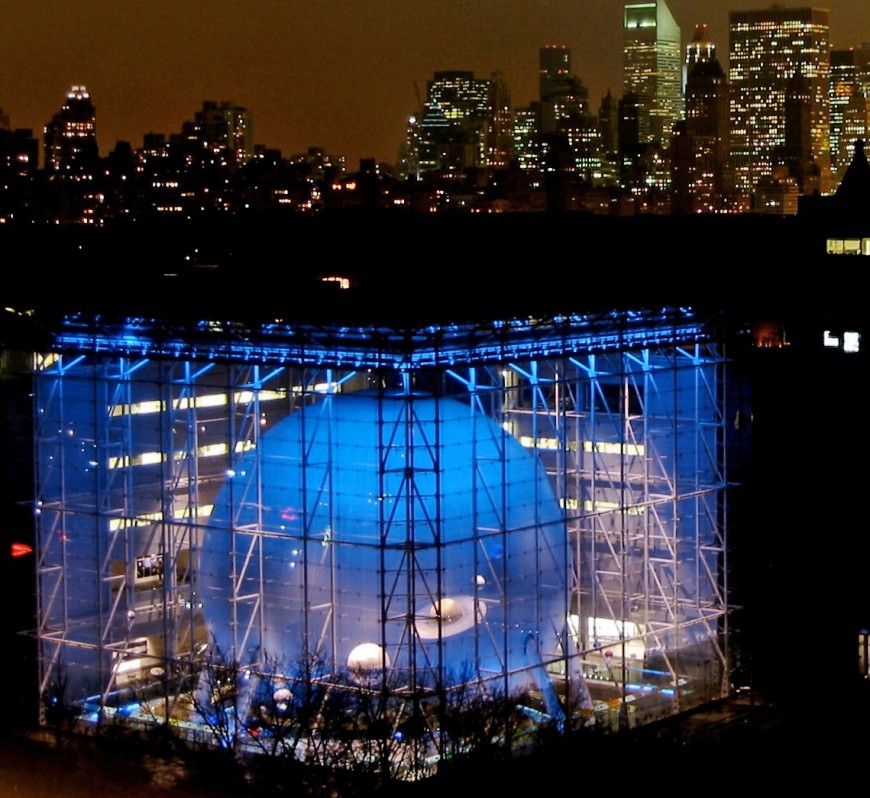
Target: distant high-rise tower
{"points": [[19, 156], [798, 119], [700, 50], [632, 125], [465, 122], [433, 140], [19, 151], [460, 95], [856, 128], [768, 49], [464, 101], [499, 128], [652, 69], [848, 93], [608, 123], [700, 149], [566, 124], [563, 97], [226, 132], [706, 92], [843, 86], [526, 150], [70, 138]]}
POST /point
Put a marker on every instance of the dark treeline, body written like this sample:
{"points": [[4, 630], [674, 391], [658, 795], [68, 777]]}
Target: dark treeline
{"points": [[408, 267]]}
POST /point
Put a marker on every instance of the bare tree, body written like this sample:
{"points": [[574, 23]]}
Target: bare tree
{"points": [[476, 718], [214, 690], [288, 708], [57, 710]]}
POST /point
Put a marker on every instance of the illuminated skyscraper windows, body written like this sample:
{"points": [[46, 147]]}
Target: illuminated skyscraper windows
{"points": [[768, 50], [850, 118], [460, 95], [652, 67], [465, 122], [570, 132], [564, 98], [700, 150], [70, 138], [499, 129], [71, 161], [225, 131]]}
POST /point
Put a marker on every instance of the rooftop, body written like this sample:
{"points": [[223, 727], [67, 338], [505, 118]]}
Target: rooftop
{"points": [[376, 346]]}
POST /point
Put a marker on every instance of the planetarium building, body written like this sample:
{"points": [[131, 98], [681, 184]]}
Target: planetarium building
{"points": [[360, 531]]}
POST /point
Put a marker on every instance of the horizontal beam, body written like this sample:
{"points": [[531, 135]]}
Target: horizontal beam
{"points": [[400, 349]]}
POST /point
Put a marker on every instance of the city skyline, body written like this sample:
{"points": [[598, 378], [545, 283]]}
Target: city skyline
{"points": [[341, 78]]}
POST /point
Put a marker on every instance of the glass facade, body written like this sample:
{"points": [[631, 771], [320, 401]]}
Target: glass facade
{"points": [[531, 509], [652, 65]]}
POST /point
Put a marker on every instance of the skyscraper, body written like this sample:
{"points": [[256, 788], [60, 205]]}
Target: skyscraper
{"points": [[850, 83], [856, 130], [19, 157], [70, 138], [464, 102], [608, 123], [71, 161], [564, 98], [225, 131], [566, 123], [499, 129], [700, 149], [460, 95], [526, 136], [652, 65], [769, 49], [464, 123]]}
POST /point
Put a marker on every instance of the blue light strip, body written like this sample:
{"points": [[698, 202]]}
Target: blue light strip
{"points": [[382, 347]]}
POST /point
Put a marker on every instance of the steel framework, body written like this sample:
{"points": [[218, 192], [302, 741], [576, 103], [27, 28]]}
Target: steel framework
{"points": [[158, 532]]}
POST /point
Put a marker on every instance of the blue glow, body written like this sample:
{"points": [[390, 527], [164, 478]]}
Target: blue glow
{"points": [[372, 346], [128, 709], [393, 504]]}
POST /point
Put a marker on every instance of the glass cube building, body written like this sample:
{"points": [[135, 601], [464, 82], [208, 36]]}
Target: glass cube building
{"points": [[529, 508]]}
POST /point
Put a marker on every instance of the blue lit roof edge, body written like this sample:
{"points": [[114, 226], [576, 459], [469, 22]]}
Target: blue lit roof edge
{"points": [[382, 347]]}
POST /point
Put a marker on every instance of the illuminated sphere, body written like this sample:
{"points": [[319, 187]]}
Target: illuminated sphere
{"points": [[412, 521], [366, 657]]}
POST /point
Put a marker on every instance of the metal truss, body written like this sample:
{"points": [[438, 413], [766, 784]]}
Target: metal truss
{"points": [[141, 429]]}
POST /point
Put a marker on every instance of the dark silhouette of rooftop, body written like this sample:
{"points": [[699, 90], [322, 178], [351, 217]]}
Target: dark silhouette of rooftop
{"points": [[854, 189]]}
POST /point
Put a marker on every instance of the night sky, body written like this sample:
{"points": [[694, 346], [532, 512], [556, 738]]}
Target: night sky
{"points": [[339, 74]]}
